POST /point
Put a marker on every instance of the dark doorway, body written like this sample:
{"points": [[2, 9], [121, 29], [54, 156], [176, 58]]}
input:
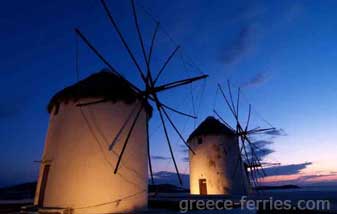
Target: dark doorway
{"points": [[202, 187], [43, 184]]}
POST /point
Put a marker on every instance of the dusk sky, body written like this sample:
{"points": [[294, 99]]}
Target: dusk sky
{"points": [[283, 54]]}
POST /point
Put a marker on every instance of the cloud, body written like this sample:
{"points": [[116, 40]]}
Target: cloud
{"points": [[260, 149], [299, 178], [186, 159], [255, 21], [157, 157], [276, 132], [309, 177], [263, 152], [183, 148], [262, 143], [258, 80], [292, 169], [165, 177], [322, 179], [239, 46], [248, 17]]}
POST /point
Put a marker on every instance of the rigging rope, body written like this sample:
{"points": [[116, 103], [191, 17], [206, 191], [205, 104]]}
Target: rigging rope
{"points": [[117, 201], [155, 19], [193, 105], [77, 61], [173, 41], [96, 138], [254, 109], [90, 126]]}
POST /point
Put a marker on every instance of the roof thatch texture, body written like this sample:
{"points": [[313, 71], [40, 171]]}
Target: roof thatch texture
{"points": [[211, 126], [102, 85]]}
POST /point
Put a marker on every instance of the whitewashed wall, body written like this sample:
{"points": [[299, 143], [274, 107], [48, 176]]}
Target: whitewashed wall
{"points": [[81, 169], [215, 160]]}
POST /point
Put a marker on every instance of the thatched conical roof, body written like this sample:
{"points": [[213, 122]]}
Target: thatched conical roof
{"points": [[211, 126], [101, 85]]}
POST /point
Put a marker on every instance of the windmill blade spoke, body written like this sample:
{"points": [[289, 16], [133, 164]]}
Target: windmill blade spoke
{"points": [[226, 100], [169, 143], [252, 130], [268, 129], [260, 131], [148, 80], [270, 164], [152, 42], [178, 83], [250, 160], [256, 167], [148, 62], [176, 111], [247, 158], [250, 163], [254, 153], [92, 103], [237, 164], [222, 120], [140, 37], [231, 98], [165, 64], [238, 102], [116, 138], [178, 132], [245, 150], [115, 26], [254, 170], [127, 138], [100, 56], [156, 100], [148, 149], [248, 120]]}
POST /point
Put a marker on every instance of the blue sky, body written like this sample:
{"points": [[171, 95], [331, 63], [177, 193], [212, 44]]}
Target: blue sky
{"points": [[283, 54]]}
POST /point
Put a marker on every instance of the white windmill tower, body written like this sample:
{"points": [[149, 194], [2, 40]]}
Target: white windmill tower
{"points": [[225, 161], [97, 154], [212, 169], [76, 169]]}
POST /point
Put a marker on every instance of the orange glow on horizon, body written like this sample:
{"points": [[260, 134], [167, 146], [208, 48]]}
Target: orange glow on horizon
{"points": [[301, 178]]}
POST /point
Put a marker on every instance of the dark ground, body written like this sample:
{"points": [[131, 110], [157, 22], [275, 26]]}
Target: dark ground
{"points": [[170, 202]]}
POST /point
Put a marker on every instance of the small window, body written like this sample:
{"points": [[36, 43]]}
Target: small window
{"points": [[199, 140]]}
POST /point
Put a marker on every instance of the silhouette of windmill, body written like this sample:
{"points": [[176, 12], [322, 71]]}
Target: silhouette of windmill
{"points": [[248, 149]]}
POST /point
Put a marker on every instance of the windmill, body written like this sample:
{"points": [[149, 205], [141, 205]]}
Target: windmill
{"points": [[82, 115], [150, 93], [248, 149], [212, 171]]}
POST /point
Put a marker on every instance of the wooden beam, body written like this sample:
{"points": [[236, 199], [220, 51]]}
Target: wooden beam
{"points": [[165, 64], [100, 56], [127, 138], [178, 132], [178, 83], [114, 24]]}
